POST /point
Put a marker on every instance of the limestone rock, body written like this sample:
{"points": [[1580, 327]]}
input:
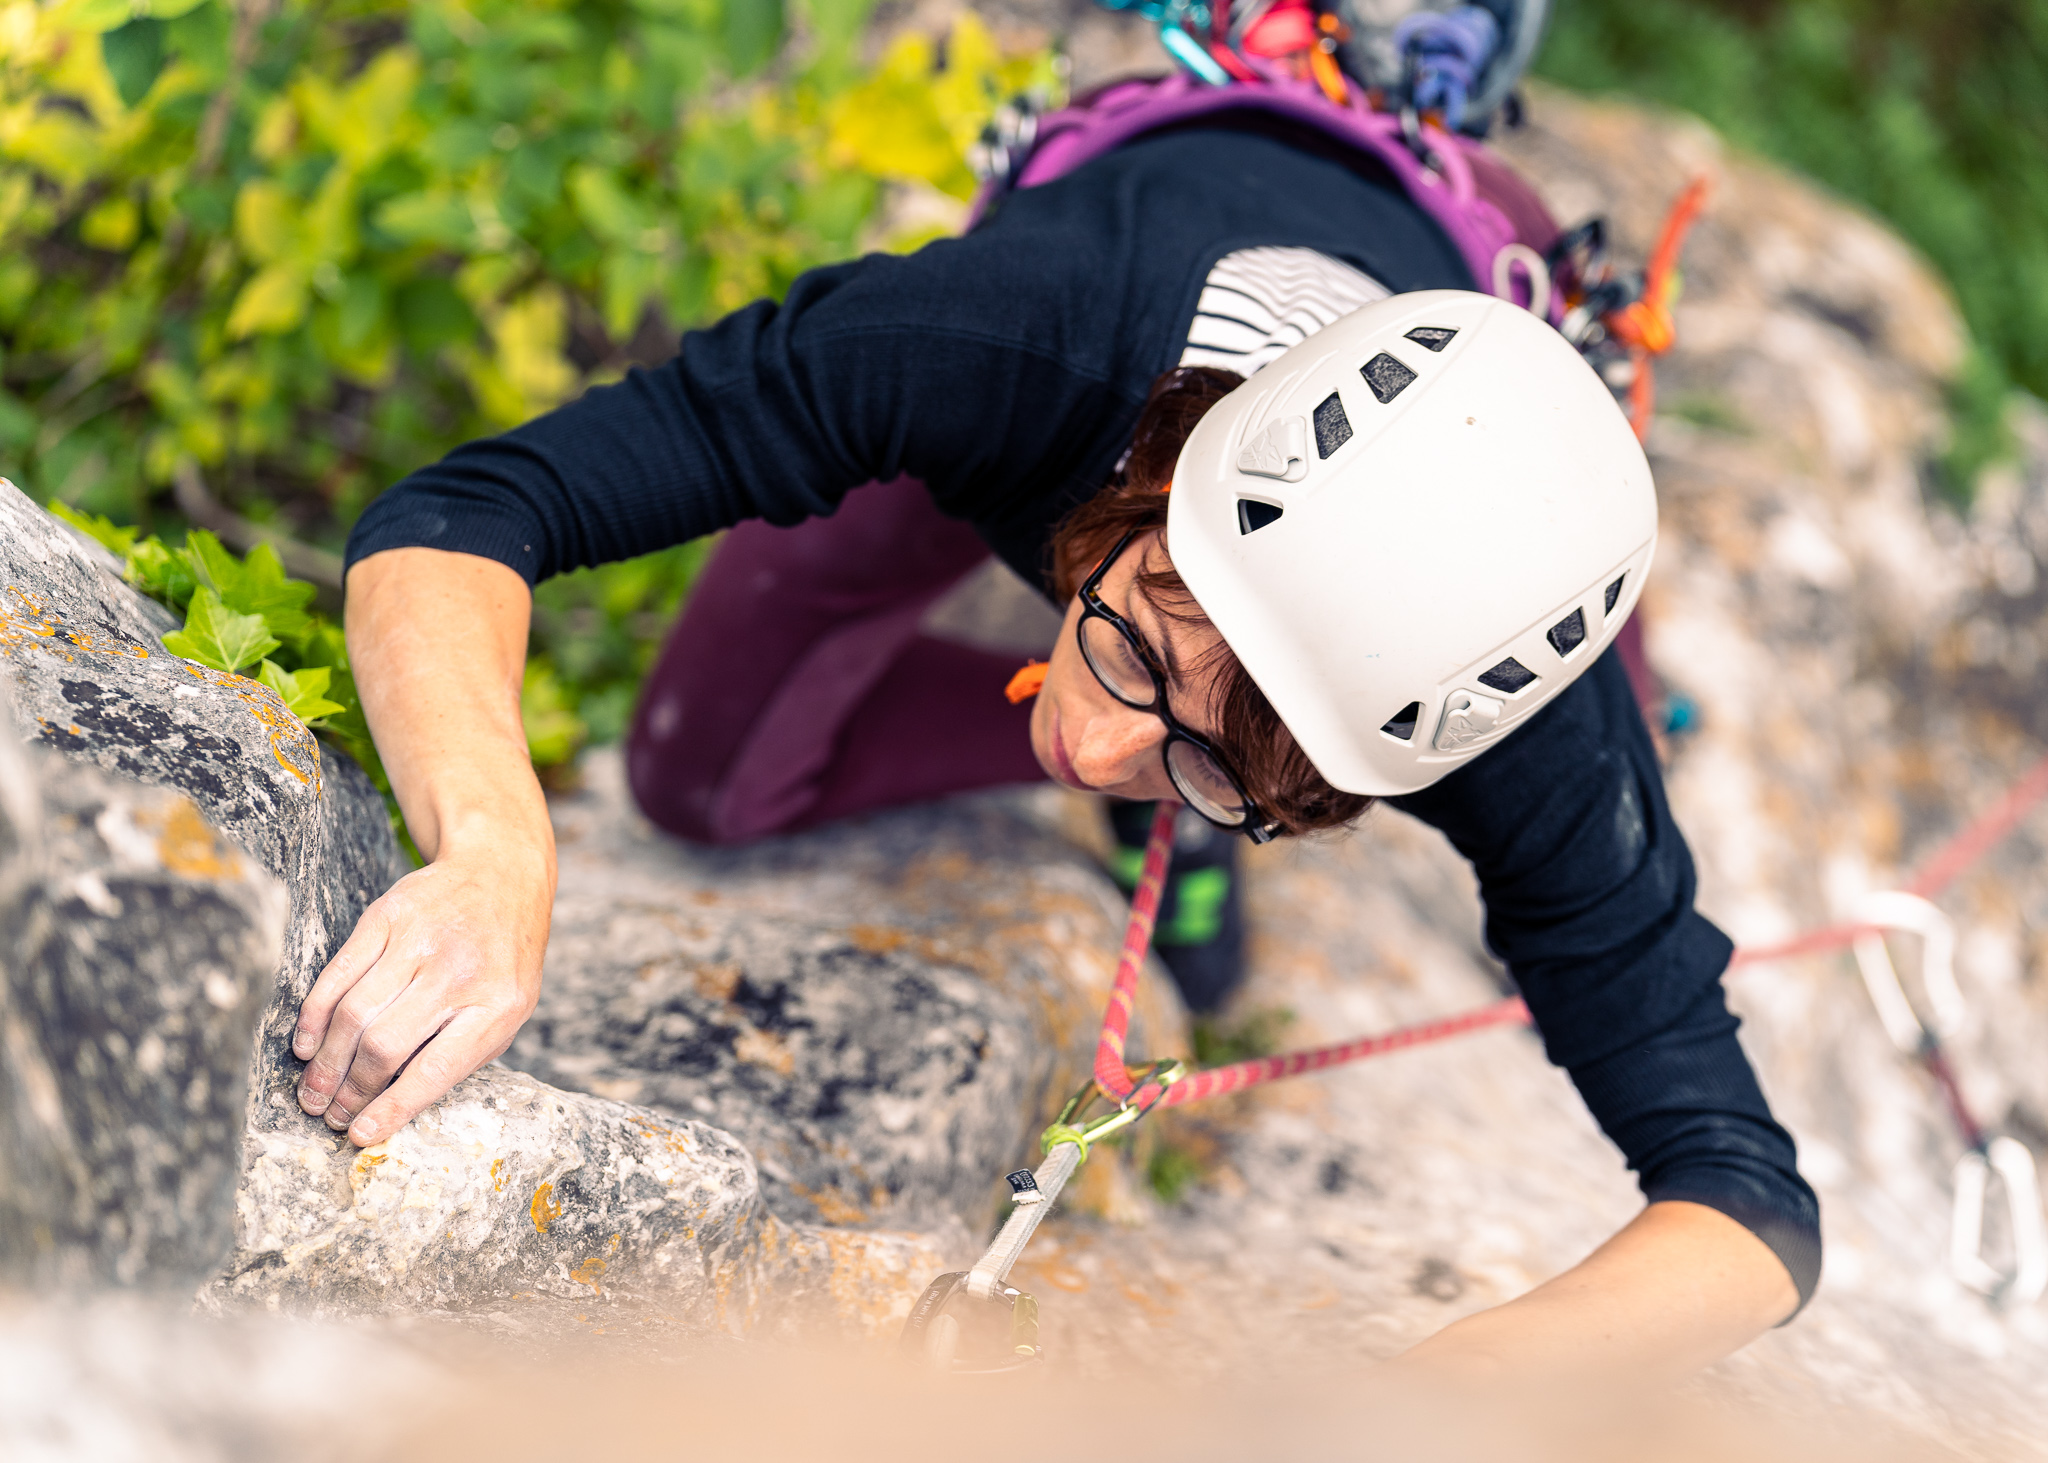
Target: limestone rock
{"points": [[507, 1187], [884, 1012], [136, 951]]}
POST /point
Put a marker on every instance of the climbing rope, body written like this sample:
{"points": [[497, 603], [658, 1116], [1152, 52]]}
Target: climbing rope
{"points": [[932, 1333]]}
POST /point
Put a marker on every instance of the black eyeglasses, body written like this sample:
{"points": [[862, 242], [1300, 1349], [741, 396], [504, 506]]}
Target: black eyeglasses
{"points": [[1124, 666]]}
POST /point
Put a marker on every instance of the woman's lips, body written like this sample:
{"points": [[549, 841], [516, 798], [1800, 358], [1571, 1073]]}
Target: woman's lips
{"points": [[1063, 765]]}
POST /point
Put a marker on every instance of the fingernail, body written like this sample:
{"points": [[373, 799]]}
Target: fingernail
{"points": [[313, 1102], [336, 1118], [363, 1134], [303, 1045]]}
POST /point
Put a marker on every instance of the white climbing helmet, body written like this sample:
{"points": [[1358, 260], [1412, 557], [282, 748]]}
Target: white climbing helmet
{"points": [[1414, 529]]}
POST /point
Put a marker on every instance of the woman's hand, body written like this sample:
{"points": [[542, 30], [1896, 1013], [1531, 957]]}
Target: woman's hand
{"points": [[436, 980], [442, 971]]}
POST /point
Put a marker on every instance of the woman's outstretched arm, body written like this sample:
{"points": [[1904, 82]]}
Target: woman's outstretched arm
{"points": [[1680, 1287], [443, 970]]}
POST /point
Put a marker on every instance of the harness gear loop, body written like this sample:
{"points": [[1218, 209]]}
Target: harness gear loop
{"points": [[1534, 268]]}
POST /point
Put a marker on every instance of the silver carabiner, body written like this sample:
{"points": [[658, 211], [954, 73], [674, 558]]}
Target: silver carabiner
{"points": [[931, 1335], [1909, 914], [2014, 1166]]}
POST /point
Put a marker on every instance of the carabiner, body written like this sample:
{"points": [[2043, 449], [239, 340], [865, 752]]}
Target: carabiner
{"points": [[931, 1336], [1909, 914], [1069, 1128], [2014, 1166], [1921, 1037]]}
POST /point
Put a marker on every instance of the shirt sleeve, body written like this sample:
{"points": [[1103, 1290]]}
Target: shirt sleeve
{"points": [[866, 371], [1588, 887]]}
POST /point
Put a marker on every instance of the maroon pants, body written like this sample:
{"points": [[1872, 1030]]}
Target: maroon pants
{"points": [[797, 688]]}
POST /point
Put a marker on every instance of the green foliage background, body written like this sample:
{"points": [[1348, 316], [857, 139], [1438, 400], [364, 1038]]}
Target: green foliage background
{"points": [[308, 245], [1934, 113]]}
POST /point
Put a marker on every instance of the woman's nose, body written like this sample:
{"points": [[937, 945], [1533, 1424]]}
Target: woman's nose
{"points": [[1116, 746]]}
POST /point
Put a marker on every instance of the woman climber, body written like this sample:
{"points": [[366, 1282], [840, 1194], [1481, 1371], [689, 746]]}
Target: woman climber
{"points": [[1406, 522]]}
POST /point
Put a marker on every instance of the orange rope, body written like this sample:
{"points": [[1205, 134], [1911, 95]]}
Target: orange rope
{"points": [[1646, 326]]}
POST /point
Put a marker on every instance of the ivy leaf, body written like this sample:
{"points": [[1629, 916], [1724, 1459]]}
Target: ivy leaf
{"points": [[117, 540], [216, 636], [304, 692], [161, 574], [256, 585]]}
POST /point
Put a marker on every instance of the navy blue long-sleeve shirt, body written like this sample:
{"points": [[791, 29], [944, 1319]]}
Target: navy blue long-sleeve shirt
{"points": [[1006, 369]]}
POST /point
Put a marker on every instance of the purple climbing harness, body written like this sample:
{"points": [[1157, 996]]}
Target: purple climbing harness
{"points": [[1494, 219]]}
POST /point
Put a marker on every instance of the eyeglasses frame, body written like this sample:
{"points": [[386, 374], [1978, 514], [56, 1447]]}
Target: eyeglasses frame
{"points": [[1255, 826]]}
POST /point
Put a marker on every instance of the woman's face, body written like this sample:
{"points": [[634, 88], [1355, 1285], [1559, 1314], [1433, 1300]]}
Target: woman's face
{"points": [[1085, 737]]}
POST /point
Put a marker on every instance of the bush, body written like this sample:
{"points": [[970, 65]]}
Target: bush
{"points": [[309, 247]]}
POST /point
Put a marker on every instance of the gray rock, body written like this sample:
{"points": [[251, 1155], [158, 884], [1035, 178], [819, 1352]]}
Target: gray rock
{"points": [[507, 1187], [884, 1012], [136, 950]]}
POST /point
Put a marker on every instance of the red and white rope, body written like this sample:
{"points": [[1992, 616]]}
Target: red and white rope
{"points": [[1949, 863]]}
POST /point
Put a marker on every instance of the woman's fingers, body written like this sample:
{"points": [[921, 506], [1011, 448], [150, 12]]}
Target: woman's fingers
{"points": [[356, 956], [439, 974], [324, 1081], [470, 1039], [387, 1042]]}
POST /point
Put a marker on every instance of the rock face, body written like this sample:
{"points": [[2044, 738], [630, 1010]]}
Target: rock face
{"points": [[880, 1012], [508, 1186], [136, 951]]}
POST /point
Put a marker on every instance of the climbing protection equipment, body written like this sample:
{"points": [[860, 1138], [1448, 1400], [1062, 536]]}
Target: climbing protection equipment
{"points": [[1621, 321], [1921, 1037], [1416, 92], [1128, 1093]]}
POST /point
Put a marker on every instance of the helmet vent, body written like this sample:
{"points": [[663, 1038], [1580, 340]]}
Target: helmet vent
{"points": [[1567, 634], [1252, 515], [1508, 677], [1333, 428], [1431, 337], [1401, 727], [1387, 377], [1614, 592]]}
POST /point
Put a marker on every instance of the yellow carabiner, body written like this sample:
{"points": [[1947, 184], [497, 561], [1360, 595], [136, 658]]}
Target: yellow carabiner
{"points": [[1070, 1127]]}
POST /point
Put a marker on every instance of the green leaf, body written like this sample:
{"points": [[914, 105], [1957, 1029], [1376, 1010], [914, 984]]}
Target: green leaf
{"points": [[256, 585], [753, 32], [441, 219], [272, 302], [161, 574], [553, 729], [119, 541], [304, 692], [18, 425], [135, 57], [218, 637]]}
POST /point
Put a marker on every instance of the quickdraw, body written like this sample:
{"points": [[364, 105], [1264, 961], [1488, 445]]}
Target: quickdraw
{"points": [[1921, 1038], [933, 1333]]}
